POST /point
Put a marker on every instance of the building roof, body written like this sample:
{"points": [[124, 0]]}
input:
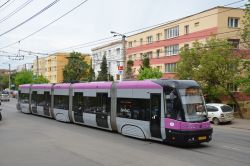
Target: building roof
{"points": [[106, 45], [176, 20]]}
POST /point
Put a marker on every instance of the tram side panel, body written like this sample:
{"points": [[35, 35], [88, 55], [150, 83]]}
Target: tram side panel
{"points": [[24, 98], [92, 104], [41, 100], [61, 102]]}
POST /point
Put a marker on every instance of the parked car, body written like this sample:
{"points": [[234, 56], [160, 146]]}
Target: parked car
{"points": [[218, 113], [5, 96]]}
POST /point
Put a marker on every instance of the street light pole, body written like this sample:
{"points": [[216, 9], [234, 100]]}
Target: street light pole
{"points": [[123, 52]]}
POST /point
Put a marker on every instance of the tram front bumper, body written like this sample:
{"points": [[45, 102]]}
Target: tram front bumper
{"points": [[192, 137]]}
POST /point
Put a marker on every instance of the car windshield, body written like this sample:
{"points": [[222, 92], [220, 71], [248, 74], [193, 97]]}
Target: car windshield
{"points": [[226, 108], [193, 104]]}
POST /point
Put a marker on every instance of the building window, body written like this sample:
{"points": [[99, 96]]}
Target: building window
{"points": [[158, 36], [109, 52], [172, 50], [130, 44], [233, 22], [118, 51], [130, 57], [150, 39], [141, 41], [196, 24], [149, 55], [172, 32], [141, 56], [186, 29], [170, 68], [134, 57], [234, 42], [158, 53], [232, 87]]}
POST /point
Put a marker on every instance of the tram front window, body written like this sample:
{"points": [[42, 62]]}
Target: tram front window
{"points": [[193, 105]]}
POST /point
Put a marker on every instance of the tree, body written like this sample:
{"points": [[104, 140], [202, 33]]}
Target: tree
{"points": [[39, 79], [27, 77], [103, 74], [214, 65], [129, 70], [76, 69], [5, 81], [146, 72], [245, 34], [149, 73], [91, 75], [23, 77]]}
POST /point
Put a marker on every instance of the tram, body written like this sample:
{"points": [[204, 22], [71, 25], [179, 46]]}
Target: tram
{"points": [[164, 110]]}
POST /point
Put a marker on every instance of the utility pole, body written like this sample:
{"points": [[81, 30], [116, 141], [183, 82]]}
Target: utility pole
{"points": [[37, 66], [123, 52], [9, 77]]}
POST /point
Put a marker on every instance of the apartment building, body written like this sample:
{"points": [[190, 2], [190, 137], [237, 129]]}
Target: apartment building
{"points": [[162, 44], [51, 67], [113, 53]]}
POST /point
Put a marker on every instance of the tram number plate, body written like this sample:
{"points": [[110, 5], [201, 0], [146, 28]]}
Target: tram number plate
{"points": [[202, 138]]}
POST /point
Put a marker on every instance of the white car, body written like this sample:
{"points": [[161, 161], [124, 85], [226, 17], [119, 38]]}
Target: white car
{"points": [[218, 113]]}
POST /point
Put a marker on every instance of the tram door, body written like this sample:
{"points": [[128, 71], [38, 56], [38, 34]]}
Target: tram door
{"points": [[102, 110], [78, 107], [155, 113]]}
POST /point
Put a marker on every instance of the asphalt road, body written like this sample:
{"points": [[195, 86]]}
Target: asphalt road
{"points": [[28, 140]]}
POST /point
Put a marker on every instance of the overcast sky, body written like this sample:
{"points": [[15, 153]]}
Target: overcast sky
{"points": [[92, 21]]}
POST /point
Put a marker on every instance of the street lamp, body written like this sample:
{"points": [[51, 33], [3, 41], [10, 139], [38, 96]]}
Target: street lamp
{"points": [[123, 51]]}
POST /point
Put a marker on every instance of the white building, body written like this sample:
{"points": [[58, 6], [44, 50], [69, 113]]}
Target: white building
{"points": [[113, 52], [27, 66]]}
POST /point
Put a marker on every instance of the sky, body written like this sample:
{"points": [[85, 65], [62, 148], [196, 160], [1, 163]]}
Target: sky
{"points": [[90, 22]]}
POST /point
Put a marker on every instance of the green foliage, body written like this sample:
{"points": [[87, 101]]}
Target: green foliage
{"points": [[213, 65], [27, 77], [103, 74], [129, 71], [4, 81], [23, 77], [149, 73], [145, 62], [76, 69], [39, 80], [245, 81], [91, 75], [245, 34]]}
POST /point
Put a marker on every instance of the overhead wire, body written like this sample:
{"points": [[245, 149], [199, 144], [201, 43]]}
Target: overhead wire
{"points": [[4, 3], [15, 11], [30, 18], [154, 26]]}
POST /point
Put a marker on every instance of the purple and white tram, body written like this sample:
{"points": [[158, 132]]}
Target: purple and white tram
{"points": [[164, 110]]}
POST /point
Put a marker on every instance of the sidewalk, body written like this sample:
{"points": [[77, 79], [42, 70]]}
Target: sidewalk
{"points": [[240, 124]]}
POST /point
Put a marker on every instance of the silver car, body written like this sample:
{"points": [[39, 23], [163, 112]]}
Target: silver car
{"points": [[218, 113], [5, 96]]}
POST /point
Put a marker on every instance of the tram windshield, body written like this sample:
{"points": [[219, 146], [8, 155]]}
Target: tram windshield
{"points": [[193, 104]]}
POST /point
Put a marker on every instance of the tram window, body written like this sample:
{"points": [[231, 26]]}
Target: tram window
{"points": [[40, 100], [34, 98], [47, 98], [61, 102], [99, 104], [78, 102], [133, 108], [24, 98], [173, 105]]}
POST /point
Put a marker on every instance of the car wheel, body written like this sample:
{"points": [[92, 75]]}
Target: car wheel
{"points": [[216, 121]]}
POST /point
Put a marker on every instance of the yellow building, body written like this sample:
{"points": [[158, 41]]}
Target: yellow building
{"points": [[162, 44], [51, 67]]}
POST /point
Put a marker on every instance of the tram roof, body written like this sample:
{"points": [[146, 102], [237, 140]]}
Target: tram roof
{"points": [[177, 83]]}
